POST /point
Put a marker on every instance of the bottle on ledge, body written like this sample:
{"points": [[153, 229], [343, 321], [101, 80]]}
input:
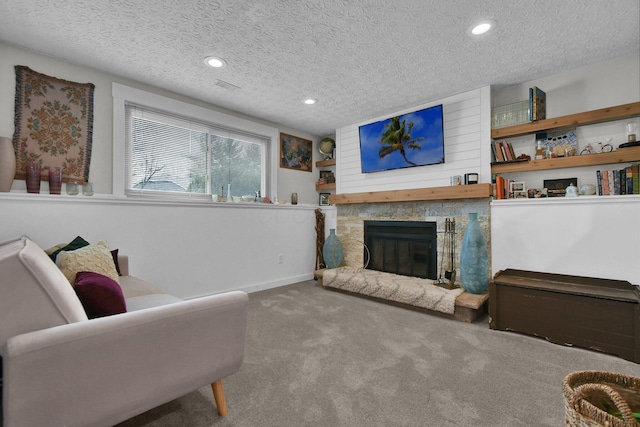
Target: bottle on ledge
{"points": [[539, 153]]}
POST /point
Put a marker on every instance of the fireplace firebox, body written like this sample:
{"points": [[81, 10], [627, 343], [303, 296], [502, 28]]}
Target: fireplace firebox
{"points": [[402, 247]]}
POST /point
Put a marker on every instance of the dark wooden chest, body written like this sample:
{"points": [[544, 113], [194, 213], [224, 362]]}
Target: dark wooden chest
{"points": [[596, 314]]}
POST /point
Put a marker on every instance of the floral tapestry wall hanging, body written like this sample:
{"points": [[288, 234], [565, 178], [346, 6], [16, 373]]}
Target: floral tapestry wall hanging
{"points": [[53, 124]]}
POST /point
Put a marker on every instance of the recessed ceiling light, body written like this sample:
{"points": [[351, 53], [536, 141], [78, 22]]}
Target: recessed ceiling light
{"points": [[310, 101], [215, 62], [481, 27]]}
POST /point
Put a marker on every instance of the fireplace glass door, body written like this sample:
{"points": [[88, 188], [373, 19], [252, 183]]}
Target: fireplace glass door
{"points": [[402, 247]]}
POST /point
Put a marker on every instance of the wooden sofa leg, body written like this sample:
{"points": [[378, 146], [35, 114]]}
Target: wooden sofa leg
{"points": [[218, 395]]}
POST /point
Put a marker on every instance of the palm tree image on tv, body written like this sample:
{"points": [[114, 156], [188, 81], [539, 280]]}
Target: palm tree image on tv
{"points": [[408, 140], [397, 138]]}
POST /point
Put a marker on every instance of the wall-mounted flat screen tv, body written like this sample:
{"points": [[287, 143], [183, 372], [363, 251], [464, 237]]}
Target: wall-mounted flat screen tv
{"points": [[413, 139]]}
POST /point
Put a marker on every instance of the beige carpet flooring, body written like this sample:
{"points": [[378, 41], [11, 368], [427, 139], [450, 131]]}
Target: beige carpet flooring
{"points": [[316, 357]]}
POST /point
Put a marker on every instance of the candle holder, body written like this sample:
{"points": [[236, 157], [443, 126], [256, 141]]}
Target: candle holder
{"points": [[33, 177], [55, 180]]}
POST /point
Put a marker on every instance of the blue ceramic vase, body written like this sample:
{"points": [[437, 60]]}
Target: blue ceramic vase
{"points": [[474, 258], [332, 250]]}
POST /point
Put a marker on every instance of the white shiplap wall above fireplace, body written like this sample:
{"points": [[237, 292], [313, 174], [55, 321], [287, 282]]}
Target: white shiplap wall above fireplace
{"points": [[467, 136]]}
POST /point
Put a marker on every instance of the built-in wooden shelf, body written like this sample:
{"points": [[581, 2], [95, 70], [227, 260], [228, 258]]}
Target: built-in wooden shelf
{"points": [[473, 191], [331, 186], [324, 163], [618, 112], [621, 155]]}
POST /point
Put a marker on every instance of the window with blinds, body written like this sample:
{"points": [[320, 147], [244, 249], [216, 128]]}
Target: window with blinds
{"points": [[175, 156]]}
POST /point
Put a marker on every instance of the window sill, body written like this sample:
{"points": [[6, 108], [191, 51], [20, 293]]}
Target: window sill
{"points": [[580, 200], [113, 199]]}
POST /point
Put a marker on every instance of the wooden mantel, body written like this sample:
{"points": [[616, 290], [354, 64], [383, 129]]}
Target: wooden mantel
{"points": [[473, 191]]}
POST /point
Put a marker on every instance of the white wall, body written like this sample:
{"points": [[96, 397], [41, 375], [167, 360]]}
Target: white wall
{"points": [[288, 181], [600, 85], [588, 88], [597, 236], [588, 236], [188, 249], [466, 143]]}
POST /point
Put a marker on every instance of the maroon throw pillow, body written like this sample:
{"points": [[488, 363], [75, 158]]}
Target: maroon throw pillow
{"points": [[100, 295]]}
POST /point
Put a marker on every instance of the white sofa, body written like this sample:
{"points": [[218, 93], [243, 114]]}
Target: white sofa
{"points": [[62, 369]]}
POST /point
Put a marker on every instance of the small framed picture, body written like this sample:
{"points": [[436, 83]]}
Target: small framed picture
{"points": [[516, 186], [324, 199], [325, 174], [537, 193], [519, 194]]}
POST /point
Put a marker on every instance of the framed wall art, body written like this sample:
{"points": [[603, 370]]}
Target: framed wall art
{"points": [[296, 153], [324, 199]]}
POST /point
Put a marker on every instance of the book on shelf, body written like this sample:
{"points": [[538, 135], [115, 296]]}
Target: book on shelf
{"points": [[494, 192], [629, 179], [502, 151], [616, 182], [611, 182], [509, 150], [619, 181], [502, 187], [505, 150], [628, 174], [497, 152], [537, 104], [602, 178]]}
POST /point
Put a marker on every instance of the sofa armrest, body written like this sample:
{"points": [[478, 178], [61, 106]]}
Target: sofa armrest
{"points": [[104, 371]]}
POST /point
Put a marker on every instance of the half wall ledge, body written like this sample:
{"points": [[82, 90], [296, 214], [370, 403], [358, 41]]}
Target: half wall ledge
{"points": [[472, 191]]}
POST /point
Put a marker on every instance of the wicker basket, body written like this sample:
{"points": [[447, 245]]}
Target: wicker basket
{"points": [[587, 394]]}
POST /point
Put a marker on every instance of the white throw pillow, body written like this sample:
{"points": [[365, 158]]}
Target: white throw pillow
{"points": [[95, 258]]}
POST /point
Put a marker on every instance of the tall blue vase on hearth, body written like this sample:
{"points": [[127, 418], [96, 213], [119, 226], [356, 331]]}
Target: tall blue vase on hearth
{"points": [[332, 250], [474, 258]]}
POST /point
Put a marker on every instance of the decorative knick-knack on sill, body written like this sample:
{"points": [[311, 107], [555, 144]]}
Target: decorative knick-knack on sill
{"points": [[33, 177], [55, 180], [571, 191], [7, 163], [474, 258], [332, 250]]}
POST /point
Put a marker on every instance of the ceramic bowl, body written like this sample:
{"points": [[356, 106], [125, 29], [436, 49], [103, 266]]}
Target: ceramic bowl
{"points": [[237, 199], [248, 199], [588, 190]]}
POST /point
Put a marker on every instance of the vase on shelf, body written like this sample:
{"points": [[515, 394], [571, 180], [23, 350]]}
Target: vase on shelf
{"points": [[332, 250], [55, 180], [7, 163], [474, 258], [33, 177]]}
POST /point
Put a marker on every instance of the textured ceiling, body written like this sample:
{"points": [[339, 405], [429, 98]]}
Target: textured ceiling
{"points": [[360, 58]]}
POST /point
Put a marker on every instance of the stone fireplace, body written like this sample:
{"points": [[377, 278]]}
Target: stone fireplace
{"points": [[402, 247], [351, 218]]}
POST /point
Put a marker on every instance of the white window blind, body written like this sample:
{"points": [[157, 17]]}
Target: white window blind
{"points": [[169, 155]]}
